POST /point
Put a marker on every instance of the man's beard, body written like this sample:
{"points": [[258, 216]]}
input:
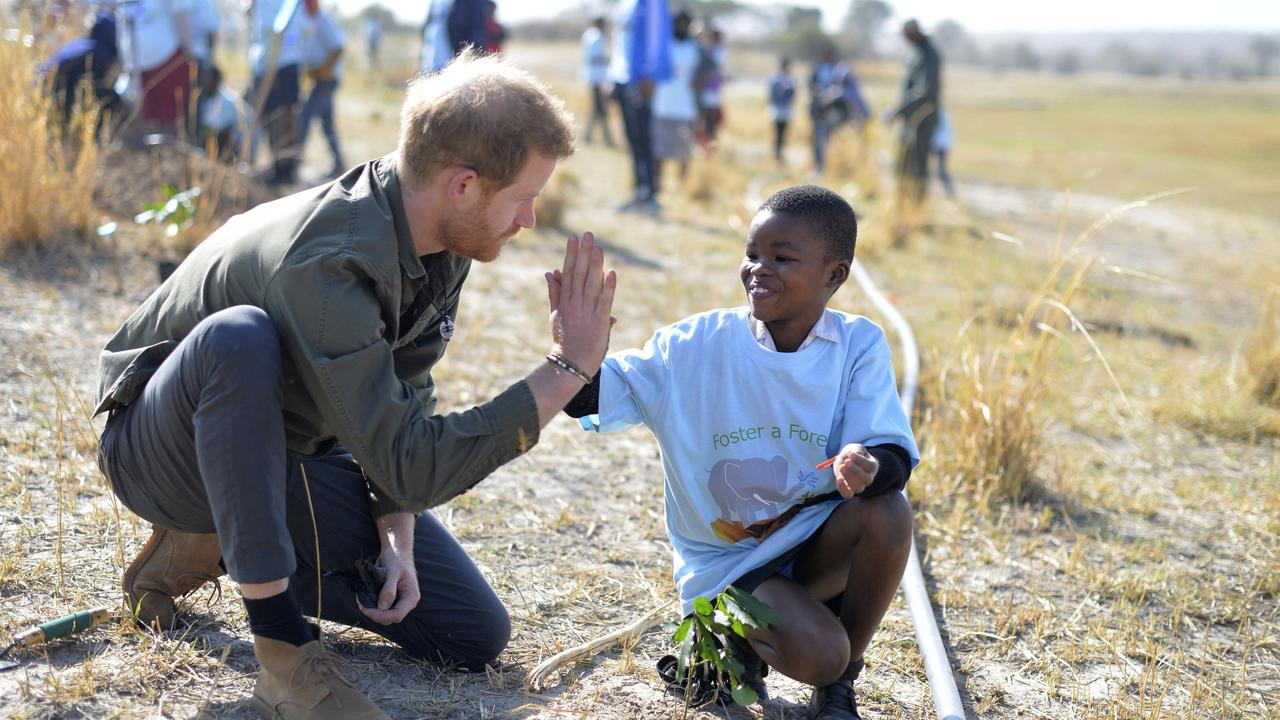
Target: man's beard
{"points": [[468, 236]]}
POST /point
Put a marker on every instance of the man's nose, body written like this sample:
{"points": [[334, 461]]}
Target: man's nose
{"points": [[527, 217]]}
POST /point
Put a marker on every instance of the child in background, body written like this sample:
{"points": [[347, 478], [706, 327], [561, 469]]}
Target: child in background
{"points": [[745, 404], [712, 74], [782, 96], [222, 119]]}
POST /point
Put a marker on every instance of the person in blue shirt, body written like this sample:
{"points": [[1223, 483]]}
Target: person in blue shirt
{"points": [[782, 96], [641, 60], [90, 57], [746, 404], [834, 99]]}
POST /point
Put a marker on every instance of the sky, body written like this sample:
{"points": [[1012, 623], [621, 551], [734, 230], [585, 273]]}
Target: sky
{"points": [[983, 16]]}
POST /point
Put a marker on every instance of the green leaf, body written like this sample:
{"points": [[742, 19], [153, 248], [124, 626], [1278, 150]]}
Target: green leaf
{"points": [[682, 630], [707, 649], [743, 695], [730, 664], [762, 616], [682, 658], [702, 606]]}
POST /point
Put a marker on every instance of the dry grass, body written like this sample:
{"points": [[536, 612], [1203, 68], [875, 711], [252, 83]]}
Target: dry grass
{"points": [[1262, 351], [47, 202]]}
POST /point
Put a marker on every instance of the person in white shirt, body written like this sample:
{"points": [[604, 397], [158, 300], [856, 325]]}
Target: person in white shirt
{"points": [[157, 39], [324, 47], [595, 50], [675, 101]]}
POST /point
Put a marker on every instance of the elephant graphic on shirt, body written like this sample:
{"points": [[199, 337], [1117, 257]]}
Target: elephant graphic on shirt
{"points": [[751, 494]]}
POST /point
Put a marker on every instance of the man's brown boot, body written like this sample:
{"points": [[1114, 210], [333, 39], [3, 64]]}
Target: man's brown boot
{"points": [[306, 682], [172, 564]]}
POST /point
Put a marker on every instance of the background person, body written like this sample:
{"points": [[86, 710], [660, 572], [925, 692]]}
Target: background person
{"points": [[641, 60], [595, 52], [918, 112], [222, 115], [834, 99], [92, 58], [495, 33], [782, 98], [711, 85], [940, 146], [675, 104], [275, 57], [324, 47], [159, 36], [437, 51]]}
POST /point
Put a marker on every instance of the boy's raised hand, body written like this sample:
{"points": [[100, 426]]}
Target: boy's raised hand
{"points": [[855, 468], [581, 298]]}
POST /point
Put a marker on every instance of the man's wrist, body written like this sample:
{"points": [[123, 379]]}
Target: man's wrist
{"points": [[564, 363], [395, 531]]}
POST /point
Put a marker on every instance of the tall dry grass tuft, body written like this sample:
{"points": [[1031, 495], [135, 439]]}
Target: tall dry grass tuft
{"points": [[46, 200], [556, 199], [983, 427], [1262, 352]]}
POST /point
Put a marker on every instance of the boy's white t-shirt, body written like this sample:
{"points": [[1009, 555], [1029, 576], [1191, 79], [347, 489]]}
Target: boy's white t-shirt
{"points": [[741, 429]]}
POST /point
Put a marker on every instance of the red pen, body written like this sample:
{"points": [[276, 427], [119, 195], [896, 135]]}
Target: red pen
{"points": [[825, 464]]}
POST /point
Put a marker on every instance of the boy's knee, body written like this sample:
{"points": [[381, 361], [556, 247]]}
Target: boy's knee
{"points": [[890, 519], [829, 656]]}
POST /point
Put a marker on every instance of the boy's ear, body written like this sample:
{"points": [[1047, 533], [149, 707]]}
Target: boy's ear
{"points": [[838, 274]]}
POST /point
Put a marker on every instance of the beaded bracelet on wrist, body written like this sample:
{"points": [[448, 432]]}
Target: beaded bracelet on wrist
{"points": [[562, 363]]}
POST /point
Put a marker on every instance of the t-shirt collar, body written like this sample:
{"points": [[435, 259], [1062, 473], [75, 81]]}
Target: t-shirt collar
{"points": [[824, 329]]}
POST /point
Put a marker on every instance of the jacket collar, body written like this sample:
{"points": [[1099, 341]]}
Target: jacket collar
{"points": [[384, 171]]}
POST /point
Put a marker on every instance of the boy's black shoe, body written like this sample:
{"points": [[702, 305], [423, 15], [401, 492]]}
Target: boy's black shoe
{"points": [[755, 668], [836, 701]]}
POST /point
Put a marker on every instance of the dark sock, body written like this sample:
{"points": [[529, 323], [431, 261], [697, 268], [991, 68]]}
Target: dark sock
{"points": [[279, 617], [851, 673]]}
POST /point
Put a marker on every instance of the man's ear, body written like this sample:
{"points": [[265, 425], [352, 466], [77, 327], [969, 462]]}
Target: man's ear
{"points": [[463, 183], [838, 274]]}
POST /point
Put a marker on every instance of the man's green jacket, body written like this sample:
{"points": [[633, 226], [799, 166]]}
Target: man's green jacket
{"points": [[362, 320]]}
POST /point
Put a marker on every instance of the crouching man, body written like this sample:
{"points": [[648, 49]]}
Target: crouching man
{"points": [[279, 383]]}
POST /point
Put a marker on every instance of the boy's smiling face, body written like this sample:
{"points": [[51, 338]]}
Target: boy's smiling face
{"points": [[788, 276]]}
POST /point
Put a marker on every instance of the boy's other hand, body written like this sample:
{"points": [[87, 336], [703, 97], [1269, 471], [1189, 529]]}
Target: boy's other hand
{"points": [[581, 299], [854, 468]]}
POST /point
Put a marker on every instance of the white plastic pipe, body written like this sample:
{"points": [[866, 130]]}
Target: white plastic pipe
{"points": [[946, 697]]}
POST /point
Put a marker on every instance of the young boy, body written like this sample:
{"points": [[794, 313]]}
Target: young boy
{"points": [[745, 403]]}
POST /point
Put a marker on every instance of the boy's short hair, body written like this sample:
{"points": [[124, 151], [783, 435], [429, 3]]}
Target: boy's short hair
{"points": [[480, 112], [827, 214]]}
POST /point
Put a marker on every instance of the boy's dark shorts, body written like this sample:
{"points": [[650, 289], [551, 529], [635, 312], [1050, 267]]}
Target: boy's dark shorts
{"points": [[785, 565]]}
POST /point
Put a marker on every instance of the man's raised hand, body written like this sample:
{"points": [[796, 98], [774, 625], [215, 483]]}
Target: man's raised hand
{"points": [[580, 295]]}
